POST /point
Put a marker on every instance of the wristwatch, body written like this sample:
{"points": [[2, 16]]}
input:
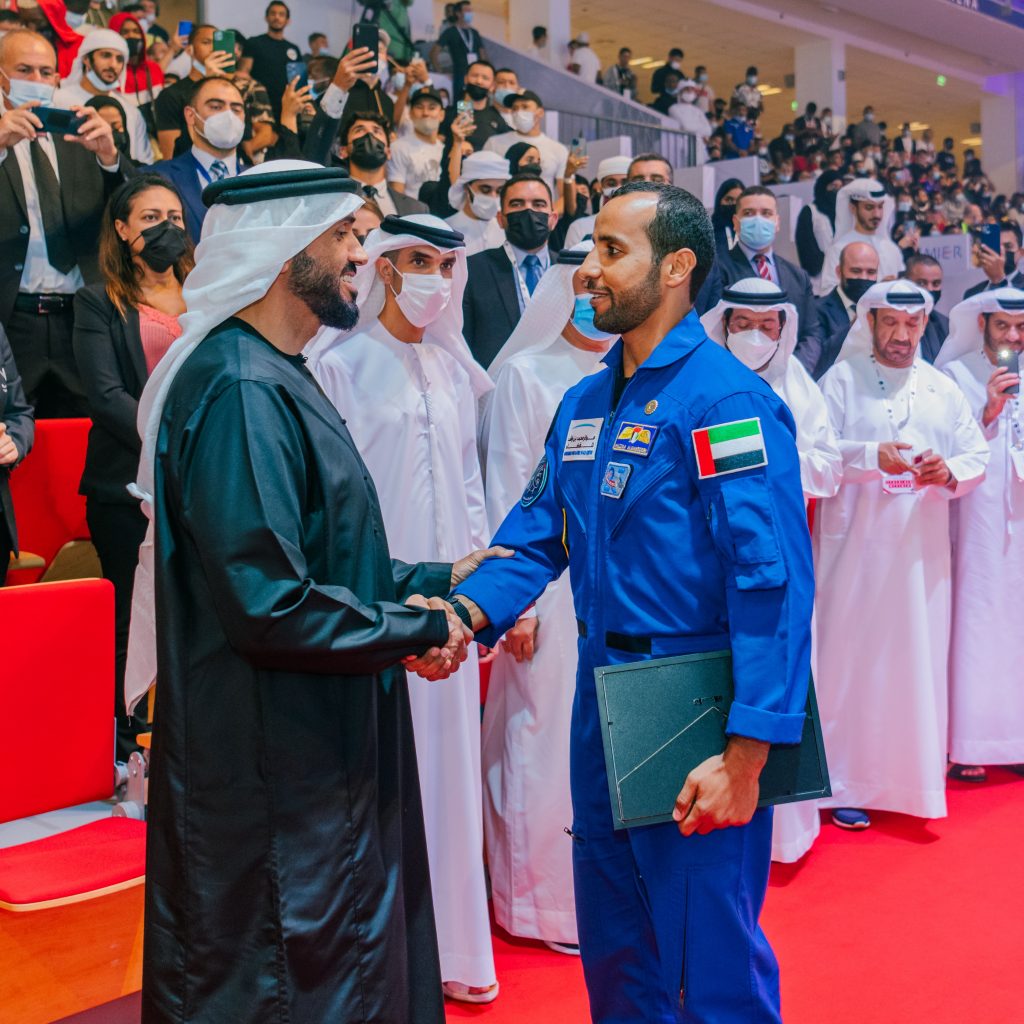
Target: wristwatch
{"points": [[462, 611]]}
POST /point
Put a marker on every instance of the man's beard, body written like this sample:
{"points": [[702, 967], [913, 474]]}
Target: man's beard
{"points": [[319, 288], [632, 307]]}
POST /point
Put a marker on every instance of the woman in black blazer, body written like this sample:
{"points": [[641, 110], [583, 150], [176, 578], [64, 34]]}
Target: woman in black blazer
{"points": [[122, 329], [17, 432]]}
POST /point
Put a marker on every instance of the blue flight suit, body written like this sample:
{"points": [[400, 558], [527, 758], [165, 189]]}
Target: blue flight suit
{"points": [[662, 563]]}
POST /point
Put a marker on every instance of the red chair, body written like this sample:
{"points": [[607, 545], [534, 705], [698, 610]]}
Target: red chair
{"points": [[49, 510], [70, 903]]}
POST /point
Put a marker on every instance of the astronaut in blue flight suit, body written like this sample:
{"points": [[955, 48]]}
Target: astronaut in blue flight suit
{"points": [[670, 488]]}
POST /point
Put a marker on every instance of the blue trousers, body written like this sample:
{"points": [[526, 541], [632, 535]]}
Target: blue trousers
{"points": [[668, 924]]}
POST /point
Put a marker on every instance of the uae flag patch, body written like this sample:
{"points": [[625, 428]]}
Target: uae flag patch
{"points": [[729, 447]]}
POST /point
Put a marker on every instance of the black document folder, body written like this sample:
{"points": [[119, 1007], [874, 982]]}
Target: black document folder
{"points": [[662, 718]]}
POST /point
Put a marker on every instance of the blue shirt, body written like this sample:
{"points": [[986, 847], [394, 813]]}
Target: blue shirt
{"points": [[654, 549], [741, 131]]}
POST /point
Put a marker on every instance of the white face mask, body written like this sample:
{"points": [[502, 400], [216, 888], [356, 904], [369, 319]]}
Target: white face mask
{"points": [[423, 298], [426, 125], [223, 130], [484, 207], [21, 91], [752, 348], [74, 20], [398, 81], [98, 83], [523, 121]]}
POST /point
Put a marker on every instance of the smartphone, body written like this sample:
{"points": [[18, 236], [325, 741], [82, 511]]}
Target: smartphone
{"points": [[224, 40], [579, 147], [918, 459], [296, 69], [1009, 359], [184, 28], [365, 34], [989, 235], [57, 121]]}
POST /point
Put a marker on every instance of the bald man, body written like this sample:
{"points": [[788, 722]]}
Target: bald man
{"points": [[858, 271]]}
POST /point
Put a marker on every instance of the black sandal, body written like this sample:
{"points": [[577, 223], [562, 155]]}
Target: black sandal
{"points": [[968, 773]]}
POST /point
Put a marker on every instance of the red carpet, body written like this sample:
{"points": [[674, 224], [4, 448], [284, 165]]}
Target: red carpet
{"points": [[908, 923]]}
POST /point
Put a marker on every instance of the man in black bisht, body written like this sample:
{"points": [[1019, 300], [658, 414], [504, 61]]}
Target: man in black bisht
{"points": [[287, 873]]}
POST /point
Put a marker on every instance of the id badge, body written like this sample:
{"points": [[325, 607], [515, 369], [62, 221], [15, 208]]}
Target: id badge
{"points": [[902, 483], [1017, 458], [471, 57]]}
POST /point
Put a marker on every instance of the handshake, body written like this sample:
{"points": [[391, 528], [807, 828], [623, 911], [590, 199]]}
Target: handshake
{"points": [[441, 662]]}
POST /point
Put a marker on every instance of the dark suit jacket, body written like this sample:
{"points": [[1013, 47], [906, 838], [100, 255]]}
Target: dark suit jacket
{"points": [[734, 266], [935, 333], [108, 350], [830, 349], [490, 306], [977, 289], [181, 172], [832, 315], [17, 414], [85, 188]]}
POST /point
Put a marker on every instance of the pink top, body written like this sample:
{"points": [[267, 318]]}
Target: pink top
{"points": [[159, 331]]}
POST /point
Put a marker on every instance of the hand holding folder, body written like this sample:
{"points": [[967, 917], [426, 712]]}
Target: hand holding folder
{"points": [[660, 719]]}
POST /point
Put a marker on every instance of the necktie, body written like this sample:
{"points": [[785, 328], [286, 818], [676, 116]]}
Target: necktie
{"points": [[532, 266], [763, 269], [370, 191], [59, 250], [218, 170]]}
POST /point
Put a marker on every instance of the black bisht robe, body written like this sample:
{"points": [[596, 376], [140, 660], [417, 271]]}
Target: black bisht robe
{"points": [[287, 876]]}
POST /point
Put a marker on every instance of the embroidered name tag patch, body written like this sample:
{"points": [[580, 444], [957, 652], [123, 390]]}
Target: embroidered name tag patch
{"points": [[635, 439], [581, 441], [729, 448], [613, 483], [539, 480]]}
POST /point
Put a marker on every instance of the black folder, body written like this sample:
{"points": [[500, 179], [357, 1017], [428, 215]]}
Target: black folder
{"points": [[662, 718]]}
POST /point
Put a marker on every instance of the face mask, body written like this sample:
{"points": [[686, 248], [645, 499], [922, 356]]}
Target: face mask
{"points": [[752, 348], [751, 79], [467, 18], [74, 20], [502, 95], [675, 64], [484, 207], [583, 320], [368, 153], [527, 229], [121, 142], [582, 205], [134, 48], [935, 293], [789, 138], [223, 130], [21, 91], [523, 121], [529, 168], [423, 297], [426, 125], [476, 92], [702, 78], [98, 83], [163, 245], [609, 192], [688, 96], [199, 67], [784, 178], [903, 207], [398, 80], [145, 21], [855, 287], [1010, 262], [757, 232]]}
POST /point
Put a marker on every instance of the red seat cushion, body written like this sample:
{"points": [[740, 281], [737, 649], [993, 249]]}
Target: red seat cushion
{"points": [[79, 864]]}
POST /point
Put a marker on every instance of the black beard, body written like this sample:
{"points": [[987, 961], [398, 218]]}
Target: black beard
{"points": [[632, 307], [318, 287]]}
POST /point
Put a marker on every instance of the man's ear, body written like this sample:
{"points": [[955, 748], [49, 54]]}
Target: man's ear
{"points": [[679, 266], [552, 220]]}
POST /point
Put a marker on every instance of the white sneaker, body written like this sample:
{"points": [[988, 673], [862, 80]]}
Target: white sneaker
{"points": [[466, 994], [563, 947]]}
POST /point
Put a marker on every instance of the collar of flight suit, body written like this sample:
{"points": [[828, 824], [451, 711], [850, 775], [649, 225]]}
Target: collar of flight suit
{"points": [[679, 342]]}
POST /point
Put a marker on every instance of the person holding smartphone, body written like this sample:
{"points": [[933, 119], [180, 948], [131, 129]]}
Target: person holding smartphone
{"points": [[1000, 267], [986, 706], [271, 53]]}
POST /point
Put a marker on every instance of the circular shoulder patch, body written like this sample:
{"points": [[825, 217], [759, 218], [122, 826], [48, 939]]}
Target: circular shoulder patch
{"points": [[539, 480], [293, 54]]}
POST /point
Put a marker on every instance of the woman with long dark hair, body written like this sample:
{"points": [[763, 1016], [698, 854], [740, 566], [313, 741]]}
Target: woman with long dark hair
{"points": [[123, 328], [721, 215]]}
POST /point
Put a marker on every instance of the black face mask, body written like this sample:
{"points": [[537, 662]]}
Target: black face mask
{"points": [[935, 293], [1010, 263], [582, 205], [163, 245], [529, 169], [476, 92], [527, 229], [855, 287], [134, 48], [121, 142], [368, 153]]}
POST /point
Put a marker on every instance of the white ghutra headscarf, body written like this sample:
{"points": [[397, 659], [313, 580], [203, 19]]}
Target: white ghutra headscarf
{"points": [[903, 295], [965, 336]]}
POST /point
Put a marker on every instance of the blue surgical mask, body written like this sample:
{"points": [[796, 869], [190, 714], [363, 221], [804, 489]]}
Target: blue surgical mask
{"points": [[757, 232], [501, 95], [583, 320], [21, 91], [467, 18]]}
